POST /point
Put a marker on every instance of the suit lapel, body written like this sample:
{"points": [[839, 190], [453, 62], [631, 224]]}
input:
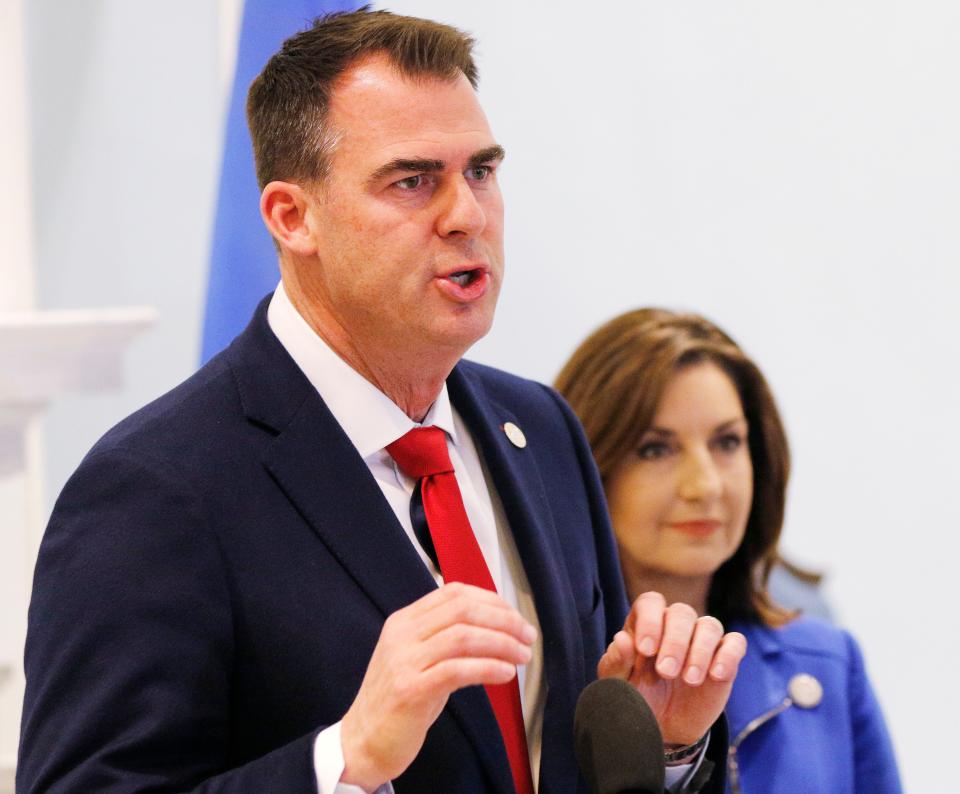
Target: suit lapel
{"points": [[321, 472], [759, 687], [517, 479], [323, 475]]}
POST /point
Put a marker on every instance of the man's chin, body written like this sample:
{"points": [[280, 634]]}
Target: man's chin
{"points": [[460, 334]]}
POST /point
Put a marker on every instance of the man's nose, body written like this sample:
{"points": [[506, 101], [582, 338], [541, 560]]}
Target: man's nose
{"points": [[699, 478], [460, 212]]}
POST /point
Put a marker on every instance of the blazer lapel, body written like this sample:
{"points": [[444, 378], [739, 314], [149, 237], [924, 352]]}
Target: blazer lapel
{"points": [[344, 505], [323, 475], [321, 472], [517, 479], [758, 688]]}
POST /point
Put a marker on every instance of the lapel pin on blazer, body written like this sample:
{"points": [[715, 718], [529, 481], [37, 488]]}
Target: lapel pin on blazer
{"points": [[515, 434], [803, 691]]}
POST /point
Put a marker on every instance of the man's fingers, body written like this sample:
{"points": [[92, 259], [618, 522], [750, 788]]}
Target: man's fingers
{"points": [[465, 641], [459, 603], [707, 636], [645, 622], [728, 657], [453, 674], [446, 593], [678, 624], [617, 661]]}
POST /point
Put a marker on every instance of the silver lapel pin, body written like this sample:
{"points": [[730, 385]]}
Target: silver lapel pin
{"points": [[803, 691]]}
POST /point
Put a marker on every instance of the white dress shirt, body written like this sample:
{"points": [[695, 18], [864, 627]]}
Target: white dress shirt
{"points": [[372, 421]]}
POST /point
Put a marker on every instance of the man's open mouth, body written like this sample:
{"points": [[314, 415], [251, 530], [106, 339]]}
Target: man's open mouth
{"points": [[464, 278]]}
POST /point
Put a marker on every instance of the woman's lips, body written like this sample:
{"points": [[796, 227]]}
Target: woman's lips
{"points": [[465, 285], [704, 526]]}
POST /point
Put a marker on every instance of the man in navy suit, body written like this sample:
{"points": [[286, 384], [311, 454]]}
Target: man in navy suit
{"points": [[232, 595]]}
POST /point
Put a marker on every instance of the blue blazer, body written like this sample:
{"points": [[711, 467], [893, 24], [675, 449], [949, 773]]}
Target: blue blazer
{"points": [[216, 573], [839, 746]]}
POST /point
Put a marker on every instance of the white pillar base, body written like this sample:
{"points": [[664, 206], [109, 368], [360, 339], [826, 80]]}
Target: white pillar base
{"points": [[42, 355]]}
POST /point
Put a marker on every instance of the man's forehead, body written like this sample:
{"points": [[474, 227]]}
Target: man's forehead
{"points": [[373, 97], [378, 71]]}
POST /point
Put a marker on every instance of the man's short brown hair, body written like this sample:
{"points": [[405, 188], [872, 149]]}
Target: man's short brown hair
{"points": [[288, 102]]}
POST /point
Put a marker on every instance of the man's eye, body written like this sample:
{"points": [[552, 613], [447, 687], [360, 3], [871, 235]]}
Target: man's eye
{"points": [[410, 182], [653, 450], [479, 173]]}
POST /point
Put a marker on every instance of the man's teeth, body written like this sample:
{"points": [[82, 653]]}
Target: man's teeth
{"points": [[463, 278]]}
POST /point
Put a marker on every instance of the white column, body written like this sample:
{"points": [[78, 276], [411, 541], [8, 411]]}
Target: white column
{"points": [[16, 254], [20, 440], [42, 355], [230, 14]]}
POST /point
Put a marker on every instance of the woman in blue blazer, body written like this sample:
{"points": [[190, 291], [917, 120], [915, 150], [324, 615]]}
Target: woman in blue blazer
{"points": [[694, 462]]}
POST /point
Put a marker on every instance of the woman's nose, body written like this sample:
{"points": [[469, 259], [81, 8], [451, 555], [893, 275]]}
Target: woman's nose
{"points": [[699, 477]]}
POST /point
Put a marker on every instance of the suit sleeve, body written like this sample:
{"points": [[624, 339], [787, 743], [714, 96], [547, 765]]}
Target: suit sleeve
{"points": [[875, 767], [130, 646]]}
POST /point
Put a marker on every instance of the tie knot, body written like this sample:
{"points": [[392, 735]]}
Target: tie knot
{"points": [[422, 452]]}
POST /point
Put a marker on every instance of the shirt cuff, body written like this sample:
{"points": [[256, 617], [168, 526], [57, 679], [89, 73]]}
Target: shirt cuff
{"points": [[676, 777], [328, 765]]}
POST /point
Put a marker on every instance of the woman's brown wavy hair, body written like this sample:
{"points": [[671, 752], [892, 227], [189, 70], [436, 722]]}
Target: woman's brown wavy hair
{"points": [[614, 381]]}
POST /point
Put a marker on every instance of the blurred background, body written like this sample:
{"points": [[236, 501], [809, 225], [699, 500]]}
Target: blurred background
{"points": [[791, 170]]}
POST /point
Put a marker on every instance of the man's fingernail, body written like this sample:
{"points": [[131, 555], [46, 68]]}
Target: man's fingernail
{"points": [[693, 675], [719, 670], [647, 646], [668, 667], [529, 633]]}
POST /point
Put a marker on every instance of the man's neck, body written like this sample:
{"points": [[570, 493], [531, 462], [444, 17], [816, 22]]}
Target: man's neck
{"points": [[410, 380]]}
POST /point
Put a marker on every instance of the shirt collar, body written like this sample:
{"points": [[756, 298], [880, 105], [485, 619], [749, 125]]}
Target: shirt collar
{"points": [[370, 419]]}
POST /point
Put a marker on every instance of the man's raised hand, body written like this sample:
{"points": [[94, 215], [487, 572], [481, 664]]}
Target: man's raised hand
{"points": [[684, 665], [456, 636]]}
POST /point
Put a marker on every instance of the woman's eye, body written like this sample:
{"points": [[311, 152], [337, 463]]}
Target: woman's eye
{"points": [[653, 450], [730, 442], [410, 182]]}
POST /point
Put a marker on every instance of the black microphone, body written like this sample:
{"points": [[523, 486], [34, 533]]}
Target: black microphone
{"points": [[617, 740]]}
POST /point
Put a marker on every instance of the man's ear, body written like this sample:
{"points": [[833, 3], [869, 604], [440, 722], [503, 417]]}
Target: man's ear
{"points": [[283, 206]]}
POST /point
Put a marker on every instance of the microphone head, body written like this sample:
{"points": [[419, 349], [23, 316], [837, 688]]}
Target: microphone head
{"points": [[617, 740]]}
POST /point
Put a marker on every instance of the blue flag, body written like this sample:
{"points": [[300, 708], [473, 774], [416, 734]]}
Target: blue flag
{"points": [[243, 261]]}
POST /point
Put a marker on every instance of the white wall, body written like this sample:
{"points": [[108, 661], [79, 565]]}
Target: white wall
{"points": [[126, 108], [789, 169]]}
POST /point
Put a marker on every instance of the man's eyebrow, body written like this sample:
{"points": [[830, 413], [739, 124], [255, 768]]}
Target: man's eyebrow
{"points": [[490, 154], [417, 164], [423, 165]]}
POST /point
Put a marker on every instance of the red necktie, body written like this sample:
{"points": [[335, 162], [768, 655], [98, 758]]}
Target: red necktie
{"points": [[422, 455]]}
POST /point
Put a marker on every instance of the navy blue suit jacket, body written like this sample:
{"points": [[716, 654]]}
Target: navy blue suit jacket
{"points": [[216, 573]]}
